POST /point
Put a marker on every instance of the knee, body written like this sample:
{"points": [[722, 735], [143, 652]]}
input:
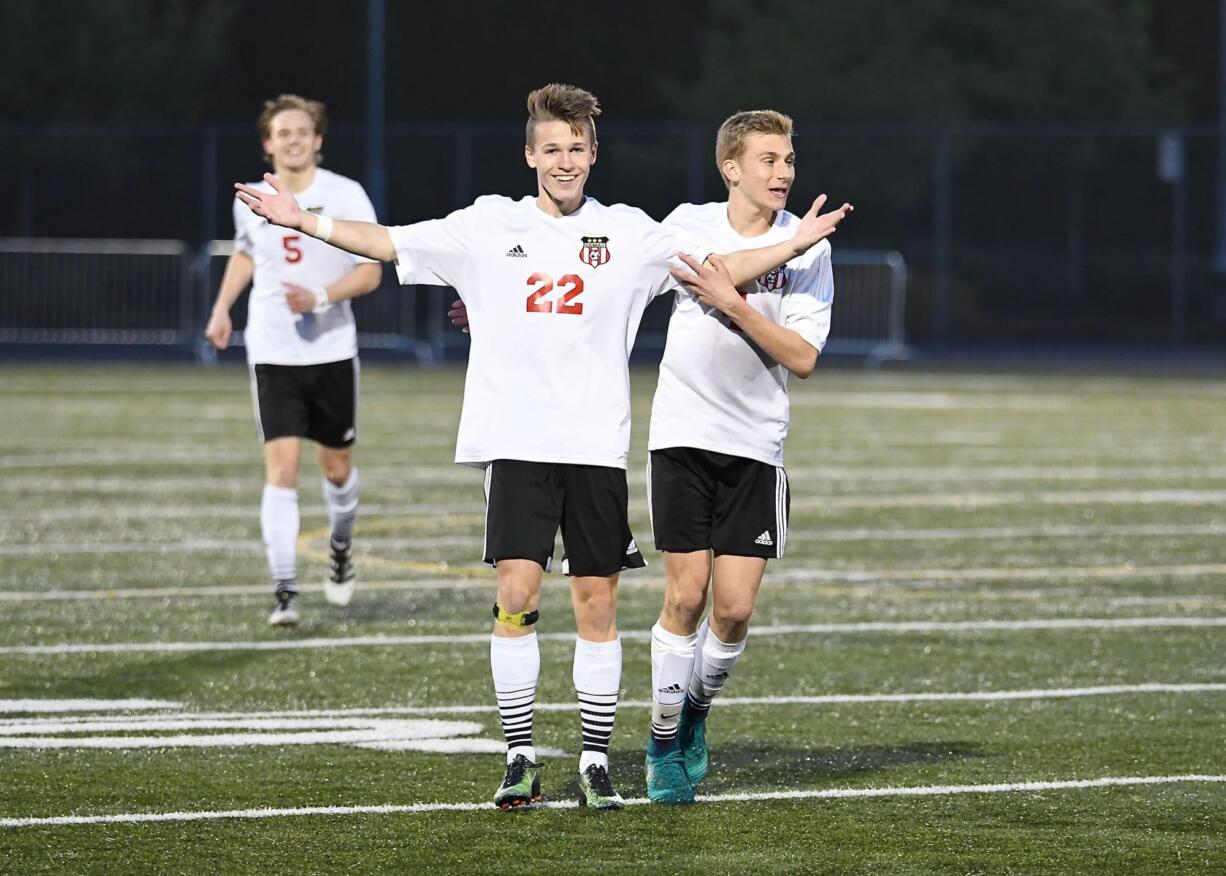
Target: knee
{"points": [[283, 475], [595, 601], [337, 471], [734, 616], [515, 598], [685, 604]]}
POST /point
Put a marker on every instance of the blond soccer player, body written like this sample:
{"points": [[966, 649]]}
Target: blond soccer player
{"points": [[301, 344], [717, 489], [555, 284]]}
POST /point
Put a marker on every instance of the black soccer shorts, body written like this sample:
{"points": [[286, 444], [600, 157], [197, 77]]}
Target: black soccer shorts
{"points": [[701, 500], [319, 402], [527, 502]]}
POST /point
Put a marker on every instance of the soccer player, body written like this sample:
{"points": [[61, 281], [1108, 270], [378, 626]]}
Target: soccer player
{"points": [[555, 286], [301, 345], [717, 490]]}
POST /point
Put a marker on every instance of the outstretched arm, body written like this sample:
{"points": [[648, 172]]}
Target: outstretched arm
{"points": [[281, 208], [712, 283], [749, 264]]}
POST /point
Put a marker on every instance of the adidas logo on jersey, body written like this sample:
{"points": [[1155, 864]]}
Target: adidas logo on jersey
{"points": [[764, 539], [516, 252]]}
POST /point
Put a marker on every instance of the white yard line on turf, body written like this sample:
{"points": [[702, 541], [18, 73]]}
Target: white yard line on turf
{"points": [[980, 499], [232, 510], [481, 579], [972, 626], [184, 720], [766, 796], [30, 706], [995, 533]]}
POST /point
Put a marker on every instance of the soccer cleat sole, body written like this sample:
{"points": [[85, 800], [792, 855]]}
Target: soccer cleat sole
{"points": [[520, 802], [339, 595], [604, 806]]}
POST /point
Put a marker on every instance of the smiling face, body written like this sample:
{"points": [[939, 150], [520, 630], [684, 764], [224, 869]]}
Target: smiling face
{"points": [[764, 171], [562, 159], [292, 143]]}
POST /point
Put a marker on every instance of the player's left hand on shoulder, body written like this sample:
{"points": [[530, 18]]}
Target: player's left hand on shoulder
{"points": [[710, 281]]}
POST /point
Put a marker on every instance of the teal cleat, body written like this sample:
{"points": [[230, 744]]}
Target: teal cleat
{"points": [[666, 778], [692, 738]]}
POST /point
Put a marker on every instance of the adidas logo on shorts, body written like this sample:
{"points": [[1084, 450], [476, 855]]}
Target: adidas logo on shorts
{"points": [[632, 548], [764, 539]]}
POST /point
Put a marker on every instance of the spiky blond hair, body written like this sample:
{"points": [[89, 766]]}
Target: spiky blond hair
{"points": [[562, 103]]}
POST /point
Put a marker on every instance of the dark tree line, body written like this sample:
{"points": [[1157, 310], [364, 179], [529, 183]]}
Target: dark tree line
{"points": [[827, 60]]}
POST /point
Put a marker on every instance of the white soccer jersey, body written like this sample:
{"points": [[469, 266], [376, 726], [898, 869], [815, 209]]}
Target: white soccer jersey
{"points": [[553, 304], [275, 335], [718, 391]]}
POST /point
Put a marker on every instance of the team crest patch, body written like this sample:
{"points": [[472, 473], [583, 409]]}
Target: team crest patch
{"points": [[595, 251], [774, 280]]}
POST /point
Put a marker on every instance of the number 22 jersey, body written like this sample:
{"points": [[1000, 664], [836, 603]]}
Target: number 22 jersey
{"points": [[554, 304]]}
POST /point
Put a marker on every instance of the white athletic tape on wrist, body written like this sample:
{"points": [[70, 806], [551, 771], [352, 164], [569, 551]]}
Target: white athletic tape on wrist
{"points": [[321, 297], [323, 227]]}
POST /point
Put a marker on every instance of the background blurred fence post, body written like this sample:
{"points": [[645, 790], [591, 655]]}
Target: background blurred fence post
{"points": [[209, 183], [941, 200]]}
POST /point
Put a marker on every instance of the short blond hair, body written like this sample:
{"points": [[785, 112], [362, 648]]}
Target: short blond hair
{"points": [[313, 108], [562, 103], [730, 141]]}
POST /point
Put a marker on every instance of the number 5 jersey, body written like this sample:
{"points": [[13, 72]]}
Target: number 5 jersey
{"points": [[275, 335]]}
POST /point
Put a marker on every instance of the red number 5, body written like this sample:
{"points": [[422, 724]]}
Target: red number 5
{"points": [[566, 304], [292, 252]]}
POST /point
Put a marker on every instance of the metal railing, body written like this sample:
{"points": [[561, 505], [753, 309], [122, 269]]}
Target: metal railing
{"points": [[120, 292], [158, 293]]}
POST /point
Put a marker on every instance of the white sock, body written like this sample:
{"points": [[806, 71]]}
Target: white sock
{"points": [[279, 524], [342, 505], [713, 664], [672, 660], [597, 674], [515, 664]]}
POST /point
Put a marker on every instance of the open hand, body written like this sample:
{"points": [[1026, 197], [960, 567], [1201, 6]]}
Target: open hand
{"points": [[814, 227], [279, 208]]}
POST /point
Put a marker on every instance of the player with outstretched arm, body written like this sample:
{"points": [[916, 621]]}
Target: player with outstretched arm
{"points": [[555, 285], [717, 490]]}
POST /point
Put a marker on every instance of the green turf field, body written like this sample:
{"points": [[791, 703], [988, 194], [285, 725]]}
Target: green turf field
{"points": [[996, 644]]}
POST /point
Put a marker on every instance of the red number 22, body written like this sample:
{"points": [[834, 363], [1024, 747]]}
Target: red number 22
{"points": [[566, 304]]}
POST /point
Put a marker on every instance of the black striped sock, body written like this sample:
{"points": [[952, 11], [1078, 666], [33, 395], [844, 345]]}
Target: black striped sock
{"points": [[515, 707], [597, 711]]}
